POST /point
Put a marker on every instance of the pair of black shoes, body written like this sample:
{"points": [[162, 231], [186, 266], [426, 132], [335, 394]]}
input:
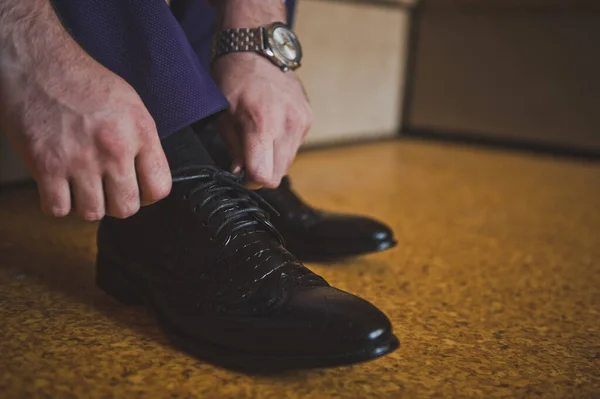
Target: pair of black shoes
{"points": [[211, 263]]}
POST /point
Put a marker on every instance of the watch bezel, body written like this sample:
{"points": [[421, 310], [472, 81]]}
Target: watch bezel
{"points": [[270, 47]]}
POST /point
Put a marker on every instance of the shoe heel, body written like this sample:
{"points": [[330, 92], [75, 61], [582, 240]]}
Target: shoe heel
{"points": [[111, 280]]}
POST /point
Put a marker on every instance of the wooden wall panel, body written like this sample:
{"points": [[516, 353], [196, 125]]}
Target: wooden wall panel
{"points": [[521, 74], [353, 71]]}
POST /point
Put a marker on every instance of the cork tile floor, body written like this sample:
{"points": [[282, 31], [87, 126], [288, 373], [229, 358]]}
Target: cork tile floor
{"points": [[494, 289]]}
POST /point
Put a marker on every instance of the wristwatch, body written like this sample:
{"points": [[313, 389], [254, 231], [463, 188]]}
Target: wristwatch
{"points": [[277, 42]]}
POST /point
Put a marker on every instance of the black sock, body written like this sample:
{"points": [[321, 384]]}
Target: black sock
{"points": [[183, 148], [211, 139]]}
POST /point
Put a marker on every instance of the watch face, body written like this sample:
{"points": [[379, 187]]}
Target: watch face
{"points": [[285, 44]]}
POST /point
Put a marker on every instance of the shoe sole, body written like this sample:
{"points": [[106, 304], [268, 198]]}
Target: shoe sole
{"points": [[111, 279]]}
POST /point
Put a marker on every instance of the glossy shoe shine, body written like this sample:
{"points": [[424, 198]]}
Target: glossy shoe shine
{"points": [[310, 234], [315, 235], [212, 267]]}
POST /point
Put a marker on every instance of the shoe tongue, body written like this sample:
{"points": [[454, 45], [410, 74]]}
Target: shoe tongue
{"points": [[183, 149]]}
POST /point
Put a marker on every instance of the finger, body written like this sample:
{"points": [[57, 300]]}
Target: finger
{"points": [[122, 192], [236, 152], [88, 197], [153, 173], [237, 168], [230, 134], [258, 162], [55, 196], [284, 154], [250, 185]]}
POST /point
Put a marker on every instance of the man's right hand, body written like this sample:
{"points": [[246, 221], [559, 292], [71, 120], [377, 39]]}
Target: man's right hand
{"points": [[84, 133]]}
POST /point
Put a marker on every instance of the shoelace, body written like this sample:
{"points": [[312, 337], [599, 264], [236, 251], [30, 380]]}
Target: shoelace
{"points": [[227, 197], [238, 207]]}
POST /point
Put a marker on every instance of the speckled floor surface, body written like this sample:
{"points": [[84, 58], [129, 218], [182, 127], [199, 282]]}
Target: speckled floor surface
{"points": [[494, 289]]}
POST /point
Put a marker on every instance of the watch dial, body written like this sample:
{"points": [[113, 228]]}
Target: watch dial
{"points": [[285, 43]]}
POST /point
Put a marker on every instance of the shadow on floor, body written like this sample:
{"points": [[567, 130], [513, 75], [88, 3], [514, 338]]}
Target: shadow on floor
{"points": [[57, 258]]}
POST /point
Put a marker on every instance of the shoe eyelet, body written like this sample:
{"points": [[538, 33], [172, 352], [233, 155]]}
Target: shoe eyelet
{"points": [[205, 223], [196, 208], [185, 197], [212, 238]]}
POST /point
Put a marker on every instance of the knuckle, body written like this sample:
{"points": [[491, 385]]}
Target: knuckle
{"points": [[257, 119], [259, 176], [111, 143], [298, 121], [158, 184], [305, 119], [160, 191], [56, 211], [92, 216], [145, 124], [309, 119], [50, 163], [149, 200], [130, 194], [125, 211], [272, 182], [83, 159], [294, 116], [129, 206], [131, 210]]}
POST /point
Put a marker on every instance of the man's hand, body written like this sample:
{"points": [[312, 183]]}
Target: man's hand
{"points": [[270, 114], [268, 119], [84, 133]]}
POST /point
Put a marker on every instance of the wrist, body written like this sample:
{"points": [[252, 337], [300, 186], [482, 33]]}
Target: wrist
{"points": [[36, 51], [33, 39]]}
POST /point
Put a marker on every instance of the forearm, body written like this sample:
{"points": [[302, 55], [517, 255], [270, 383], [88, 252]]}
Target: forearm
{"points": [[248, 13], [35, 50], [32, 39]]}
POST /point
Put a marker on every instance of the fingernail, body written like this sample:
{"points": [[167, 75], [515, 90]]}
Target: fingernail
{"points": [[236, 170]]}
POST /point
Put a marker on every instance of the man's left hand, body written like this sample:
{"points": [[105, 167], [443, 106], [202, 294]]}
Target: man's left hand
{"points": [[268, 119]]}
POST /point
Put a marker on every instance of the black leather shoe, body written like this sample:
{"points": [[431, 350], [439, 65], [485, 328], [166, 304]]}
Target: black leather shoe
{"points": [[315, 235], [310, 234], [210, 264]]}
